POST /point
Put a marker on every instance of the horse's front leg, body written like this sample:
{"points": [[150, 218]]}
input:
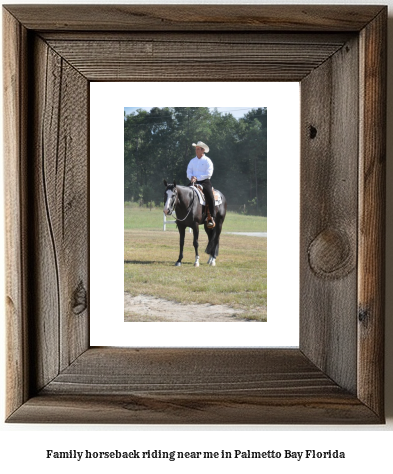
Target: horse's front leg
{"points": [[195, 230], [182, 232]]}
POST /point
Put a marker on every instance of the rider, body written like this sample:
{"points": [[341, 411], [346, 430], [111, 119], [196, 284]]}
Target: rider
{"points": [[200, 170]]}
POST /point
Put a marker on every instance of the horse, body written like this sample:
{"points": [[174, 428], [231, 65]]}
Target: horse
{"points": [[190, 213]]}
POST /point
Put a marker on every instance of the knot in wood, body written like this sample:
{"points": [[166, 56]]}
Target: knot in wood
{"points": [[313, 132], [363, 316], [331, 255], [80, 299]]}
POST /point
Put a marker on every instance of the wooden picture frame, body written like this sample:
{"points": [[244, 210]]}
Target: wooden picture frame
{"points": [[338, 54]]}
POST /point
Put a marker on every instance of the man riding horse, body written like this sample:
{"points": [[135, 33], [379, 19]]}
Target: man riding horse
{"points": [[199, 171], [189, 210]]}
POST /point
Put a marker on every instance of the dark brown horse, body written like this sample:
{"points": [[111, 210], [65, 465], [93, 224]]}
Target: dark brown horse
{"points": [[190, 213]]}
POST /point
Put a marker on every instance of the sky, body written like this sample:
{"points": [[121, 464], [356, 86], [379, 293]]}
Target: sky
{"points": [[237, 112]]}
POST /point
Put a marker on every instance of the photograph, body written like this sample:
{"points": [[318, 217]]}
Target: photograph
{"points": [[135, 226], [101, 151], [195, 214]]}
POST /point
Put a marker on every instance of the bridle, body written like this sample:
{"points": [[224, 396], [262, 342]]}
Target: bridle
{"points": [[174, 205]]}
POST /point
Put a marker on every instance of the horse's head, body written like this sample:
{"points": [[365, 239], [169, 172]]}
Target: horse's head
{"points": [[169, 198]]}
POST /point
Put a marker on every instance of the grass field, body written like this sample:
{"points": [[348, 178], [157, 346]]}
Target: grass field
{"points": [[136, 217], [239, 279]]}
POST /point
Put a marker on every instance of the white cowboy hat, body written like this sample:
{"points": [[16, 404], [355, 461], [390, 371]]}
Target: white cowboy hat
{"points": [[202, 145]]}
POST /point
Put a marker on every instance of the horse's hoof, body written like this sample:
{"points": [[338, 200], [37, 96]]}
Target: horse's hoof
{"points": [[178, 264], [196, 264], [212, 262], [209, 261]]}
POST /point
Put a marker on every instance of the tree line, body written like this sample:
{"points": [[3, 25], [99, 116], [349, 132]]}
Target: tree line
{"points": [[158, 145]]}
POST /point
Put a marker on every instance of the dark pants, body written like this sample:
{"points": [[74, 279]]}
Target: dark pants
{"points": [[208, 191]]}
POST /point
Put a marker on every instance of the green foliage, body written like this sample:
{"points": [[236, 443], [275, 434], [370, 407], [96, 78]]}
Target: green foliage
{"points": [[158, 145]]}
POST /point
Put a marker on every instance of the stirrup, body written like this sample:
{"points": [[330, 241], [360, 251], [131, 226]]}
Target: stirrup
{"points": [[210, 223]]}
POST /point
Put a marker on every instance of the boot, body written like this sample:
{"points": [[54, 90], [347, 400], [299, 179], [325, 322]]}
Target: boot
{"points": [[209, 219]]}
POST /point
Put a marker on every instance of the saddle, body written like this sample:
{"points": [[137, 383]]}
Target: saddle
{"points": [[216, 196], [217, 201]]}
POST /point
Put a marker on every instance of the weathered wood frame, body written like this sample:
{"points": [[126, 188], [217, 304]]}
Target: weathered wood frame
{"points": [[338, 54]]}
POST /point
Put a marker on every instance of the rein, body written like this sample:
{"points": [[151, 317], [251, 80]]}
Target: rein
{"points": [[189, 210]]}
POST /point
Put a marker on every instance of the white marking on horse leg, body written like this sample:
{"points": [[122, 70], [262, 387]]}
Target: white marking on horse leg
{"points": [[178, 264], [196, 264], [212, 262]]}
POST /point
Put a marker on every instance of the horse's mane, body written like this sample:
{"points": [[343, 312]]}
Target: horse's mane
{"points": [[171, 186]]}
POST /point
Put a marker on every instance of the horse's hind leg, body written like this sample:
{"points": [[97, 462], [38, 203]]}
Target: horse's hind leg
{"points": [[214, 244], [210, 249], [195, 230], [182, 232], [209, 233]]}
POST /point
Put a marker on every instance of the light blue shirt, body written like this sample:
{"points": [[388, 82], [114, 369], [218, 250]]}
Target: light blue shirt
{"points": [[201, 168]]}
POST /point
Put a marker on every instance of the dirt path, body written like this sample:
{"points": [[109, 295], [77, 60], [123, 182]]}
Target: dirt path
{"points": [[144, 308], [249, 234]]}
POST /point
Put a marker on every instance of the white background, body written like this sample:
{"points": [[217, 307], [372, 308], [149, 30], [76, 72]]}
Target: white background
{"points": [[107, 102], [368, 448]]}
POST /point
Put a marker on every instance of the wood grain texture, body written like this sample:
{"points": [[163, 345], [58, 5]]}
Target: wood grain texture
{"points": [[195, 17], [193, 386], [60, 108], [194, 409], [371, 288], [208, 371], [173, 60], [329, 173], [14, 75], [52, 374], [201, 37]]}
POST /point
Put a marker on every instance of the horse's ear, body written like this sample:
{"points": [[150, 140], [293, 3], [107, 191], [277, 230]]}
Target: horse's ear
{"points": [[165, 183], [174, 183]]}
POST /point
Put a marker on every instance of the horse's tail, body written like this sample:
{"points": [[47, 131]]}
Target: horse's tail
{"points": [[212, 241]]}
